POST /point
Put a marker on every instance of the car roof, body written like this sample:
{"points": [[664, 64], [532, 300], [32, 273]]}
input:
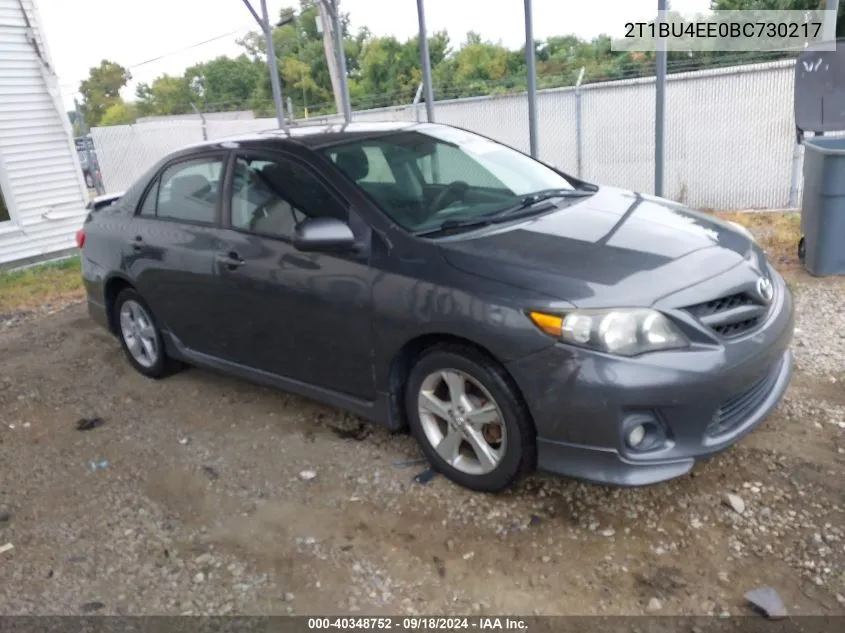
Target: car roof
{"points": [[314, 136]]}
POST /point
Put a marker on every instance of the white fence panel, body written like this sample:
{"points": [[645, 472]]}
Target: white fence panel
{"points": [[729, 134], [125, 152]]}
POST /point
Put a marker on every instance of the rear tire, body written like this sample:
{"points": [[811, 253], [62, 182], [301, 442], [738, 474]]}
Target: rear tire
{"points": [[469, 419], [140, 336]]}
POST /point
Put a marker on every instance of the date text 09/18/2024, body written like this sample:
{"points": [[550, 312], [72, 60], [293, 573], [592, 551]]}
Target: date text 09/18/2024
{"points": [[418, 623]]}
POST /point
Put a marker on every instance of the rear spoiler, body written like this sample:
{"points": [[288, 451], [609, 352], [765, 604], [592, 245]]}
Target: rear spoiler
{"points": [[100, 202]]}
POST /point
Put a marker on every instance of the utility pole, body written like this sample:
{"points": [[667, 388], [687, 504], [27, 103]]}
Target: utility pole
{"points": [[276, 84], [531, 68], [425, 60], [660, 105], [333, 17], [326, 28]]}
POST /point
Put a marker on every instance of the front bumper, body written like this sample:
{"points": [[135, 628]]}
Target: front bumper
{"points": [[582, 401]]}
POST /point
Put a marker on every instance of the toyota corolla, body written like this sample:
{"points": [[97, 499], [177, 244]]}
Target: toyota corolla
{"points": [[510, 316]]}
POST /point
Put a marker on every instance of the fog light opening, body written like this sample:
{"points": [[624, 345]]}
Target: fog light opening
{"points": [[636, 436], [643, 433]]}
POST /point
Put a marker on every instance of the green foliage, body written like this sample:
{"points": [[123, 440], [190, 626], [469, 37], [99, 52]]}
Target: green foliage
{"points": [[383, 71], [119, 113], [102, 89], [784, 5]]}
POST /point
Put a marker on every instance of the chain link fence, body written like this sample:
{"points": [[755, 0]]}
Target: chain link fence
{"points": [[730, 140]]}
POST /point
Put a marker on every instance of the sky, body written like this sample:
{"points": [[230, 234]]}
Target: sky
{"points": [[81, 33]]}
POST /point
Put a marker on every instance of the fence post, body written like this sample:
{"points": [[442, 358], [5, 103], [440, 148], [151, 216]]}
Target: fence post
{"points": [[797, 164], [202, 118], [578, 128]]}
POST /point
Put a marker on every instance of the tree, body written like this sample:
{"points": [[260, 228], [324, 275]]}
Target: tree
{"points": [[166, 95], [119, 113], [102, 89], [784, 5], [225, 84]]}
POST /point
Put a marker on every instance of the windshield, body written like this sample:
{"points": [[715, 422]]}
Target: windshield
{"points": [[434, 174]]}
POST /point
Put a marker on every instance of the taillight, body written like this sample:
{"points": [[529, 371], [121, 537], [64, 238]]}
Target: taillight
{"points": [[80, 238]]}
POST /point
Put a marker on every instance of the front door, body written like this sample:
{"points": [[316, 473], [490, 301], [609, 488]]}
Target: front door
{"points": [[304, 316]]}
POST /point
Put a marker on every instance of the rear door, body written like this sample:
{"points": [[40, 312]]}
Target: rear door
{"points": [[170, 250]]}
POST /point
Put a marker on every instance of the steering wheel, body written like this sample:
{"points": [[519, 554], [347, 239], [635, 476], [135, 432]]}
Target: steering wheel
{"points": [[454, 192]]}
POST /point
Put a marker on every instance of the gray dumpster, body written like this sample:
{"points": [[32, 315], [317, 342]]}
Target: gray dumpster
{"points": [[822, 248]]}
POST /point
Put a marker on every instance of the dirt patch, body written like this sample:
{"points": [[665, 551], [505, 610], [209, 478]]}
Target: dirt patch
{"points": [[201, 507]]}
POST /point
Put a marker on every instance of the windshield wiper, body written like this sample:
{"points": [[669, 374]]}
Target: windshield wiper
{"points": [[531, 199], [527, 202], [448, 225]]}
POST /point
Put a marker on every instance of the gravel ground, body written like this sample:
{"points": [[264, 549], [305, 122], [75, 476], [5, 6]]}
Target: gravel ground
{"points": [[190, 499]]}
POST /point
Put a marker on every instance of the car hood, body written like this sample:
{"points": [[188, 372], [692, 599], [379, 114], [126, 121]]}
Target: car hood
{"points": [[615, 248]]}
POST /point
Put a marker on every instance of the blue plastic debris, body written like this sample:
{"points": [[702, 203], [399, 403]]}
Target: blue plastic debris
{"points": [[99, 465]]}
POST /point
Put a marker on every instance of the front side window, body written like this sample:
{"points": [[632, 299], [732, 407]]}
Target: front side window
{"points": [[272, 195], [186, 191], [432, 173]]}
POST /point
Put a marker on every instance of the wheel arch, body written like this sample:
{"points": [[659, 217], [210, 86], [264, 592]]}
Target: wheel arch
{"points": [[113, 286], [407, 355]]}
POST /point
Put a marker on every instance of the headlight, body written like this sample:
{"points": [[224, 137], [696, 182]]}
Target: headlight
{"points": [[623, 331], [743, 230]]}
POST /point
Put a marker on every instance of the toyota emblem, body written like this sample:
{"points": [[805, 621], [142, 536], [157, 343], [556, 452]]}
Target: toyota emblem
{"points": [[765, 288]]}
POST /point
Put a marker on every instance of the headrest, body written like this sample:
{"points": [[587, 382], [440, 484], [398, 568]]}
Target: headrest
{"points": [[353, 162], [189, 186]]}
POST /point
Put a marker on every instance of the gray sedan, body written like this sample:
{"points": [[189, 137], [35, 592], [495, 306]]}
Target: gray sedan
{"points": [[510, 316]]}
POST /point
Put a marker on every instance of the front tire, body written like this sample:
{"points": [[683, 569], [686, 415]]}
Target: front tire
{"points": [[469, 419], [140, 336]]}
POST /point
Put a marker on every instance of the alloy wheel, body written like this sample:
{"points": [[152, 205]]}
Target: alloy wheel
{"points": [[138, 331], [462, 421]]}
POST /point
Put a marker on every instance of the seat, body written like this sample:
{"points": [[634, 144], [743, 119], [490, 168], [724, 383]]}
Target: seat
{"points": [[280, 215], [353, 162], [188, 199]]}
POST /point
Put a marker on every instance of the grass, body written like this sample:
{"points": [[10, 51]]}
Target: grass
{"points": [[777, 232], [47, 283]]}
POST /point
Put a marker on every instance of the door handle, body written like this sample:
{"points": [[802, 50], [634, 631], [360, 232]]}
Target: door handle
{"points": [[137, 244], [230, 260]]}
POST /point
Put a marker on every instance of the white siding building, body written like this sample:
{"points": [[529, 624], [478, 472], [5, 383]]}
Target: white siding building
{"points": [[43, 190]]}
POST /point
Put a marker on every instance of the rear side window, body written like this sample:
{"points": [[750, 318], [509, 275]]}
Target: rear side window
{"points": [[186, 191]]}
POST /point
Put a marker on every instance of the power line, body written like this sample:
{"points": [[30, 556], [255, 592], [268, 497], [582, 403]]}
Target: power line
{"points": [[187, 48]]}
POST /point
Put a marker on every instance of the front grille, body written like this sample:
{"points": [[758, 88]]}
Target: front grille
{"points": [[730, 316], [737, 409]]}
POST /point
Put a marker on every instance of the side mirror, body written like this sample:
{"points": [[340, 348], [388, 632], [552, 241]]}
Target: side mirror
{"points": [[323, 234]]}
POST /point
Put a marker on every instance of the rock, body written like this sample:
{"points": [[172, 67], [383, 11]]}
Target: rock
{"points": [[724, 578], [307, 475], [608, 532], [90, 607], [654, 605], [203, 559], [546, 559], [199, 578], [289, 597], [734, 502], [767, 601], [5, 516]]}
